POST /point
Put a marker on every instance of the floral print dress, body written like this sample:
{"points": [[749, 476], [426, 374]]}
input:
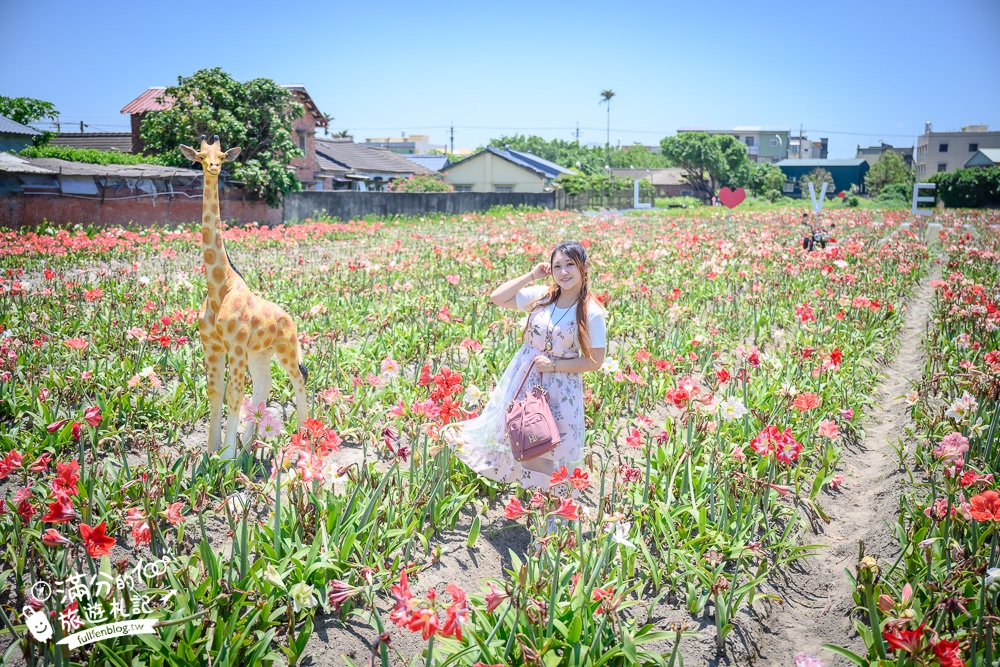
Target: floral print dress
{"points": [[482, 442]]}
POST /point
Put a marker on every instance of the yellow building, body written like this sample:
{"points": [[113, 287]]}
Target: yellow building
{"points": [[494, 170]]}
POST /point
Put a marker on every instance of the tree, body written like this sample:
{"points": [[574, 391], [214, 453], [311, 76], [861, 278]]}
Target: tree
{"points": [[255, 115], [817, 177], [569, 154], [28, 110], [637, 157], [890, 168], [606, 96], [709, 161], [765, 179], [326, 124]]}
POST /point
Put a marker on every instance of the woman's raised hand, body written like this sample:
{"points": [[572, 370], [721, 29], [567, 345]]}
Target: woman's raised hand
{"points": [[540, 270]]}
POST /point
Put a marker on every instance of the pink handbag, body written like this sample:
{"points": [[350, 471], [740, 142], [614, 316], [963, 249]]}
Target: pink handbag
{"points": [[531, 429]]}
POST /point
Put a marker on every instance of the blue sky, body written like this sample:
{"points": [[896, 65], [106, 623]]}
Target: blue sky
{"points": [[853, 71]]}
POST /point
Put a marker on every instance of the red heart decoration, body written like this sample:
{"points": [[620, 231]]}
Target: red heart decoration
{"points": [[732, 198]]}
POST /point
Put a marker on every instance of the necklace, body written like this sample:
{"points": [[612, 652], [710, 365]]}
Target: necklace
{"points": [[552, 325]]}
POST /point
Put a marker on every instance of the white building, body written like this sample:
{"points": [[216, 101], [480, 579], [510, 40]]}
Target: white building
{"points": [[948, 151]]}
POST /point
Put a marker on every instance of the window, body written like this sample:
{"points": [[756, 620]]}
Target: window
{"points": [[973, 148], [749, 141], [795, 148], [302, 140], [505, 189], [943, 148], [463, 188], [774, 142], [789, 186], [942, 166], [687, 193]]}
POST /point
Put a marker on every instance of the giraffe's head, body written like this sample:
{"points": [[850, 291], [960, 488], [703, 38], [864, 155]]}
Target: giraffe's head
{"points": [[210, 155]]}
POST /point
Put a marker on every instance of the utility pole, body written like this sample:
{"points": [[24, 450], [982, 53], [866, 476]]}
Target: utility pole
{"points": [[452, 137], [81, 127], [577, 133]]}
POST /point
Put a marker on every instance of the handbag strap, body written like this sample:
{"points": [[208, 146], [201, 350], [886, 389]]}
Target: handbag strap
{"points": [[525, 379]]}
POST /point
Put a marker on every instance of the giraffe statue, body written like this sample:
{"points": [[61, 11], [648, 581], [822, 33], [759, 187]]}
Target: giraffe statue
{"points": [[236, 323]]}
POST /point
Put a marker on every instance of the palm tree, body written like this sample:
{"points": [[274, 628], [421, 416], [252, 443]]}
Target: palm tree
{"points": [[326, 128], [606, 96]]}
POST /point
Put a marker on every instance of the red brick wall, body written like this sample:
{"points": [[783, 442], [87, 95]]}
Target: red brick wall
{"points": [[28, 210], [305, 167]]}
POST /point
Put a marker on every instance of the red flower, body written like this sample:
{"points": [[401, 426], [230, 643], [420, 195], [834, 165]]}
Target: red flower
{"points": [[61, 510], [559, 476], [52, 538], [10, 463], [634, 438], [96, 539], [41, 464], [723, 376], [92, 415], [66, 478], [836, 356], [514, 510], [568, 509], [580, 480], [806, 402], [456, 614], [425, 622], [985, 506], [948, 654], [77, 431], [55, 426], [404, 598], [425, 376], [911, 641]]}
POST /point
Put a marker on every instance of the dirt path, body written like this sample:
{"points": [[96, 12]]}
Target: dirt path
{"points": [[818, 597]]}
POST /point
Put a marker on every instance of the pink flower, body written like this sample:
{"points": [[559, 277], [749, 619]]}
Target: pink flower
{"points": [[92, 415], [396, 411], [836, 481], [140, 527], [52, 538], [952, 447], [76, 344], [494, 598], [456, 614], [453, 279], [173, 513], [847, 415], [828, 429], [390, 365], [514, 510]]}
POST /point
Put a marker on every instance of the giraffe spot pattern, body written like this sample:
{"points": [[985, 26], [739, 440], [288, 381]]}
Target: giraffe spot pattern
{"points": [[218, 274], [210, 257]]}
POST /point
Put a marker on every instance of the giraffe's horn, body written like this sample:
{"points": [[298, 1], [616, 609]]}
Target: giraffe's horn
{"points": [[203, 138], [215, 138]]}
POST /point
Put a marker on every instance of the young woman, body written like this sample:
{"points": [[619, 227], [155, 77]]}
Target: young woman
{"points": [[565, 336]]}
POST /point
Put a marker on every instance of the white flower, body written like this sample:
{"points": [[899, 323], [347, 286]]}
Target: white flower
{"points": [[620, 533], [272, 575], [303, 596], [330, 477], [732, 408], [789, 389], [610, 366], [33, 317], [472, 395], [776, 362], [992, 575], [840, 264], [238, 501], [147, 371], [144, 280], [960, 409], [712, 406]]}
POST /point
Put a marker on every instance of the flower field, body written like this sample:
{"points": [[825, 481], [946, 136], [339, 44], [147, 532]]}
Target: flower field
{"points": [[740, 369]]}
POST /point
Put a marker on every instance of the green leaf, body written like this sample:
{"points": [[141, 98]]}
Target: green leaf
{"points": [[844, 653], [473, 533]]}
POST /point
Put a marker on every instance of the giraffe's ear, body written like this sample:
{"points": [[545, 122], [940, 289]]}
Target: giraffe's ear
{"points": [[232, 153], [189, 153]]}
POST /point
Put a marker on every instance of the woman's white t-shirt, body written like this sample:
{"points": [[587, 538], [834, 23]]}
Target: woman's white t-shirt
{"points": [[596, 326]]}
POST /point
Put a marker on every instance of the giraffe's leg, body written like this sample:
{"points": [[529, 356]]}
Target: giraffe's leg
{"points": [[215, 370], [235, 390], [292, 363], [260, 375], [216, 367]]}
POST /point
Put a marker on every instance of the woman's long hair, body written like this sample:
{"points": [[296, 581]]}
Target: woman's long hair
{"points": [[577, 254]]}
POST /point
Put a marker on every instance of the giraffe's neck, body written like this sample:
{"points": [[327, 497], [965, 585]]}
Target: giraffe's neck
{"points": [[217, 268]]}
